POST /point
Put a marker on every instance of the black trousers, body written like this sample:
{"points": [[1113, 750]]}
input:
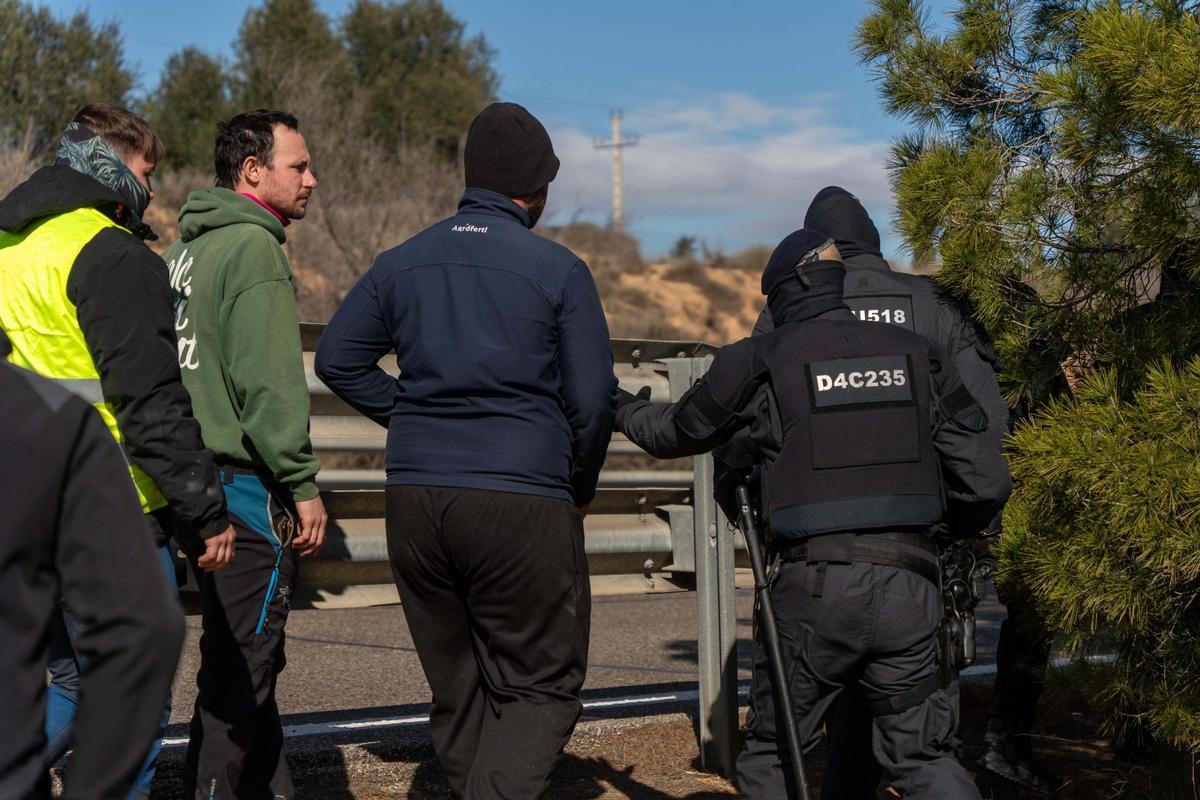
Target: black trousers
{"points": [[495, 590], [869, 624], [1022, 655], [235, 748]]}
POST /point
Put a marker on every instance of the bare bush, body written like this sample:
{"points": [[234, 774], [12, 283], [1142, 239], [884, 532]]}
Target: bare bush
{"points": [[687, 270], [172, 188], [608, 253], [750, 259], [367, 200], [16, 162]]}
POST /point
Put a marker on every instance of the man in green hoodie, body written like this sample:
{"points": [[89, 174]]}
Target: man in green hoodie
{"points": [[240, 356]]}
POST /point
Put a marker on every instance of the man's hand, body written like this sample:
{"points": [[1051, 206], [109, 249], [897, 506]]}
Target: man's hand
{"points": [[583, 509], [218, 550], [312, 526]]}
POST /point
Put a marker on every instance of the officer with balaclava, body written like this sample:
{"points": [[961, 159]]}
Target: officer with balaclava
{"points": [[868, 441], [877, 293]]}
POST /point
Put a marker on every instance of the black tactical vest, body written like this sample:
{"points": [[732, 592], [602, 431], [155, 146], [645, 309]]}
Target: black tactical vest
{"points": [[854, 405], [877, 294]]}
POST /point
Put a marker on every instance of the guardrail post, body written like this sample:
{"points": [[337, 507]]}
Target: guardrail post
{"points": [[716, 637]]}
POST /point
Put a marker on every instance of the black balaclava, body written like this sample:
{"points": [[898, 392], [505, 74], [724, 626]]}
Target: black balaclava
{"points": [[838, 213], [797, 286]]}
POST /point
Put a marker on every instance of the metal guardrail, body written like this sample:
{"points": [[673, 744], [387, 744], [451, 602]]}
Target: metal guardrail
{"points": [[641, 521]]}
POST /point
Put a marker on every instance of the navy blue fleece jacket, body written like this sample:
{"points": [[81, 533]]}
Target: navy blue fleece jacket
{"points": [[506, 372]]}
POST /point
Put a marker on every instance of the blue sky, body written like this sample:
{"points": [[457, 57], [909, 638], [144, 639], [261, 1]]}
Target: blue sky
{"points": [[743, 110]]}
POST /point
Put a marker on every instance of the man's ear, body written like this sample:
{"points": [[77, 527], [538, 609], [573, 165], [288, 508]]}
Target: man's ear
{"points": [[251, 171]]}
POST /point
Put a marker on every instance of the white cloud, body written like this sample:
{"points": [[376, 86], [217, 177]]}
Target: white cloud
{"points": [[731, 168]]}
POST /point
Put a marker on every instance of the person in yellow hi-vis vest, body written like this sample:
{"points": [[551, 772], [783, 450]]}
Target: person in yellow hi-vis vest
{"points": [[86, 304]]}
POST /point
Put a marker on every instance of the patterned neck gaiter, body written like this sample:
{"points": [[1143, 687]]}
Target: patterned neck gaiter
{"points": [[84, 151]]}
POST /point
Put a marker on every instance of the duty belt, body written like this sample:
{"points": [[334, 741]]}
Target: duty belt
{"points": [[912, 551]]}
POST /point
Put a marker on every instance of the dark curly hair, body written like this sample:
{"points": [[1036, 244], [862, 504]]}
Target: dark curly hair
{"points": [[248, 134]]}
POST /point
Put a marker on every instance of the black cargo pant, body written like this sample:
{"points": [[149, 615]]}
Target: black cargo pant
{"points": [[235, 749], [851, 772], [495, 589], [871, 624], [1022, 655]]}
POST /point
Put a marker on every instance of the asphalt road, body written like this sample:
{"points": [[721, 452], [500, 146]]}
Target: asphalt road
{"points": [[348, 659]]}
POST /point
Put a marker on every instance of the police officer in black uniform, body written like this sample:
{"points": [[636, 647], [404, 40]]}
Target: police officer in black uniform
{"points": [[916, 302], [868, 439], [876, 293]]}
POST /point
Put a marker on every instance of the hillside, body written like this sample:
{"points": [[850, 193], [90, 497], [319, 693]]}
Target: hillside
{"points": [[672, 299]]}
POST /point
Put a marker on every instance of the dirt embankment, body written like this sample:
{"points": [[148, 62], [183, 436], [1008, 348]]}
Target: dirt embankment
{"points": [[679, 298], [687, 300]]}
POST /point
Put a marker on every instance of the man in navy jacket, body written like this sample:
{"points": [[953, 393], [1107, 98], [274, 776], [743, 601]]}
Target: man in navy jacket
{"points": [[497, 428]]}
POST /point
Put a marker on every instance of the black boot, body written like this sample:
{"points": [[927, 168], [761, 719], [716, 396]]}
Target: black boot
{"points": [[1010, 756]]}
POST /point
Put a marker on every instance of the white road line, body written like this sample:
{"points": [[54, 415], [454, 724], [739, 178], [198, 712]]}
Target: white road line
{"points": [[322, 728]]}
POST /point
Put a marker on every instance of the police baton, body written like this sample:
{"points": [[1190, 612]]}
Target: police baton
{"points": [[766, 618]]}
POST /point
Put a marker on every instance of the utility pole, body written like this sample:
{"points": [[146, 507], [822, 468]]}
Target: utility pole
{"points": [[616, 145]]}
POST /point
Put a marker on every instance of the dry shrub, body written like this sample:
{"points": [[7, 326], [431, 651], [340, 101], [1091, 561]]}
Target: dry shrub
{"points": [[750, 259], [689, 270], [368, 198], [171, 190], [686, 269], [16, 162], [608, 253]]}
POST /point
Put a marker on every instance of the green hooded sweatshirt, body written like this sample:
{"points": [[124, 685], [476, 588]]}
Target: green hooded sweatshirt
{"points": [[239, 336]]}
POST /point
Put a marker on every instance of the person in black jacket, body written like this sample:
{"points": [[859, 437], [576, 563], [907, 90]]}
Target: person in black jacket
{"points": [[869, 441], [71, 524], [88, 304], [497, 428], [876, 293]]}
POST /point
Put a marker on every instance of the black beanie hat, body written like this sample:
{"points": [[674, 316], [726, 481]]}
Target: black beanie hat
{"points": [[508, 151], [794, 251], [841, 214]]}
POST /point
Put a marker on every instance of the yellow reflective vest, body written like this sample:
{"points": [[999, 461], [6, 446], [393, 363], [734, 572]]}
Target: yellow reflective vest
{"points": [[41, 321]]}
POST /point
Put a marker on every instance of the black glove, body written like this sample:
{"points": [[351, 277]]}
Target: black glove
{"points": [[624, 398]]}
